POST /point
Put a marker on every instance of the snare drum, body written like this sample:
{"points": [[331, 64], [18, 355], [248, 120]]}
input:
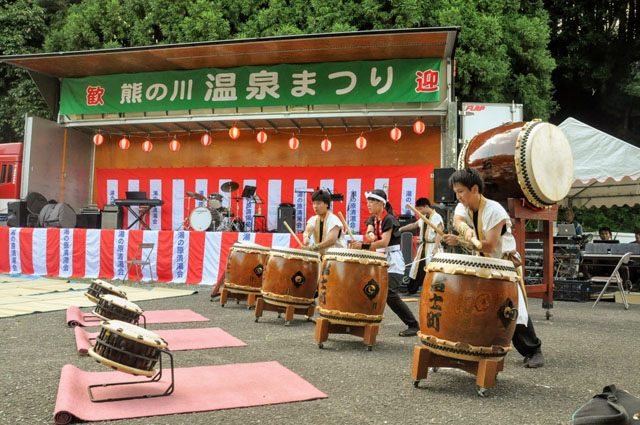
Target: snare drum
{"points": [[111, 307], [291, 277], [245, 267], [353, 286], [128, 348], [100, 287], [531, 160], [468, 306]]}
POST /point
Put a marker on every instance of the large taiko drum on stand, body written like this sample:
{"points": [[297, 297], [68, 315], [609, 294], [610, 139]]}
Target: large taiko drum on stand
{"points": [[531, 160], [468, 307], [291, 277], [245, 267], [353, 286]]}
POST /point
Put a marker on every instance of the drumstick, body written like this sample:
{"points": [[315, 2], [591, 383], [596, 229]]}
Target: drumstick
{"points": [[474, 240], [293, 233], [344, 223]]}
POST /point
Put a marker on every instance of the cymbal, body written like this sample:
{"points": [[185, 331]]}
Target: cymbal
{"points": [[230, 186], [197, 196]]}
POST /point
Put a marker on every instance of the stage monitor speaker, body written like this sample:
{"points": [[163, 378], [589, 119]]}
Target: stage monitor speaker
{"points": [[17, 214], [286, 213], [442, 192]]}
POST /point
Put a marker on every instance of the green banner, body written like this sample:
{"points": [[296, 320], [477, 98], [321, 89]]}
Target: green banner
{"points": [[389, 81]]}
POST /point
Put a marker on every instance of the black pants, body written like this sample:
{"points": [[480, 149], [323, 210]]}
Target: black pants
{"points": [[525, 339], [414, 284], [397, 305]]}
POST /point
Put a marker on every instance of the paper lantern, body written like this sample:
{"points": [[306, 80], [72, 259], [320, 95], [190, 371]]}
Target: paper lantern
{"points": [[395, 134], [174, 145], [124, 143], [294, 143], [234, 132], [326, 145], [361, 142], [205, 139], [98, 139], [261, 137], [147, 146], [418, 127]]}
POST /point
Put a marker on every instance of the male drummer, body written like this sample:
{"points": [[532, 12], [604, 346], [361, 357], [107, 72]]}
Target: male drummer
{"points": [[478, 217], [325, 227]]}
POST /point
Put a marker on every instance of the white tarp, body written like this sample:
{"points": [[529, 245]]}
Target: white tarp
{"points": [[606, 169]]}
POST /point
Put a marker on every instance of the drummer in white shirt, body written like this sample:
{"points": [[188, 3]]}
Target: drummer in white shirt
{"points": [[324, 230]]}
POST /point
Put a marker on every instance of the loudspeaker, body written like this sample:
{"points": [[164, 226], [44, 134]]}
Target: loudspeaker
{"points": [[17, 214], [286, 213], [109, 218], [442, 192]]}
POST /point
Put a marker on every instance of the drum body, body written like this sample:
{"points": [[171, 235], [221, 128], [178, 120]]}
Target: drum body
{"points": [[245, 267], [110, 307], [531, 160], [291, 277], [468, 306], [353, 286], [99, 287], [128, 348], [215, 200]]}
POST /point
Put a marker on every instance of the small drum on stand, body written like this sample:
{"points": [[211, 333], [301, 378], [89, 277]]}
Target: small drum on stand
{"points": [[468, 312], [243, 276], [110, 307], [215, 200], [130, 349], [99, 287], [352, 294], [531, 160], [289, 283]]}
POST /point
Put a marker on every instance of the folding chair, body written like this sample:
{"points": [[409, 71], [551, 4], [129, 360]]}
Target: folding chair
{"points": [[140, 260], [614, 276]]}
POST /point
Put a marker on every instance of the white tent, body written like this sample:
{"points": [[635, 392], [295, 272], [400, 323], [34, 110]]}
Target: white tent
{"points": [[606, 170]]}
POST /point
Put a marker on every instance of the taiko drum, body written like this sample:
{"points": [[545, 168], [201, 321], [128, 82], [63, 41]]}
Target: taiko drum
{"points": [[469, 306], [245, 267], [353, 286], [291, 277], [99, 287], [111, 307], [531, 160]]}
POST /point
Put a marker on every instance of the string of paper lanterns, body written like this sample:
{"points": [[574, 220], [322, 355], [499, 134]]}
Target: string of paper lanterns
{"points": [[234, 133]]}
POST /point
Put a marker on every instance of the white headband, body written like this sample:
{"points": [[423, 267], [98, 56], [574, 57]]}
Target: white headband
{"points": [[376, 197]]}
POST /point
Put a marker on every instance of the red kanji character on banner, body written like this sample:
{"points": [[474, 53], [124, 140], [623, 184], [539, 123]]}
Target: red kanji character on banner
{"points": [[427, 81], [94, 95]]}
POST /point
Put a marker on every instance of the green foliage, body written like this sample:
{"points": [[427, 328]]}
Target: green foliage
{"points": [[619, 219]]}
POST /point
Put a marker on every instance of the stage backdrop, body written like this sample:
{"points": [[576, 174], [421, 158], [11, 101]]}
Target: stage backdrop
{"points": [[274, 185]]}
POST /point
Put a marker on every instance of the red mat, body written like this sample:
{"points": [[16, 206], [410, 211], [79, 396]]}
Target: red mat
{"points": [[77, 317], [178, 339], [197, 389]]}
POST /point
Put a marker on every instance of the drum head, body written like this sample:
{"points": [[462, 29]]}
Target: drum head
{"points": [[200, 219], [121, 302], [35, 202], [544, 162]]}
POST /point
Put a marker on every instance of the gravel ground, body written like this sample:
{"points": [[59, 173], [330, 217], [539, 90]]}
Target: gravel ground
{"points": [[585, 350]]}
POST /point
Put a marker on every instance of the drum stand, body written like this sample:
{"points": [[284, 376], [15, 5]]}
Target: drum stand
{"points": [[485, 370], [324, 327], [289, 310], [156, 378], [238, 296]]}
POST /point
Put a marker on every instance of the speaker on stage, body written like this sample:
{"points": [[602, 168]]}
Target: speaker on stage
{"points": [[286, 212], [442, 192], [17, 214]]}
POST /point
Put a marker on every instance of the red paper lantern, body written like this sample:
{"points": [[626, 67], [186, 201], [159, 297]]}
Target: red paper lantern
{"points": [[326, 145], [124, 143], [418, 127], [395, 134], [294, 143], [261, 137], [234, 132], [361, 142], [147, 145], [205, 139], [174, 145], [98, 139]]}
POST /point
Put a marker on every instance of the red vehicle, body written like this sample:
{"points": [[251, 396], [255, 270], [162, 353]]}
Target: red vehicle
{"points": [[10, 176]]}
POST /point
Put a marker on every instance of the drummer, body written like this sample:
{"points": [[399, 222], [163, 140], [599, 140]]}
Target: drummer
{"points": [[486, 220], [325, 227], [383, 235]]}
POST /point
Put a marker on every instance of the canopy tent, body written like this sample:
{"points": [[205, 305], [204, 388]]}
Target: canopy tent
{"points": [[606, 169]]}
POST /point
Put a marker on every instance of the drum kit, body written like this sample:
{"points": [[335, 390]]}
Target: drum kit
{"points": [[213, 215]]}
